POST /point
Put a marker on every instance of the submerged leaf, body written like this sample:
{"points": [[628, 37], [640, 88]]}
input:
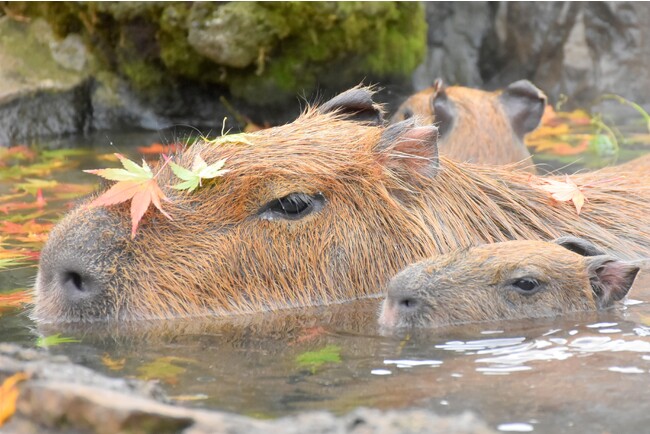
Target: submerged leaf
{"points": [[314, 359], [112, 364], [159, 148], [164, 369], [54, 340], [9, 396], [15, 298]]}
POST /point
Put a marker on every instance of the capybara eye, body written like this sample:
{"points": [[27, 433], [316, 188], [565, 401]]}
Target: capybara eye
{"points": [[292, 207], [526, 285], [407, 113]]}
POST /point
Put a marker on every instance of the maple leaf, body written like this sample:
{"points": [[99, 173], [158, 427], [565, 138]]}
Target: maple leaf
{"points": [[135, 183], [159, 148], [564, 192], [9, 395], [200, 170]]}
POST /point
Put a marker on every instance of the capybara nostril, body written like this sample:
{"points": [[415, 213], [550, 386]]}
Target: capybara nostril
{"points": [[77, 286], [408, 303]]}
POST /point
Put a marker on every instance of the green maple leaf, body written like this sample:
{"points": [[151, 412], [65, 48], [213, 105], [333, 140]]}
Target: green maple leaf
{"points": [[200, 170]]}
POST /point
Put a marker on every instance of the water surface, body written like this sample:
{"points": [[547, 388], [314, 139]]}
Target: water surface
{"points": [[580, 373]]}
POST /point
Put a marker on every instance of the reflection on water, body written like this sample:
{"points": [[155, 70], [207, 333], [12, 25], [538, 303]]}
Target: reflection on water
{"points": [[572, 374], [580, 373]]}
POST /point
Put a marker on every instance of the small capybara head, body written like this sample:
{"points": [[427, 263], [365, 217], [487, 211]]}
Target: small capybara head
{"points": [[509, 280], [478, 126]]}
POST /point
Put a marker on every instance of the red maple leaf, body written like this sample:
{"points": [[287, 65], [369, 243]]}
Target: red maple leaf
{"points": [[135, 183]]}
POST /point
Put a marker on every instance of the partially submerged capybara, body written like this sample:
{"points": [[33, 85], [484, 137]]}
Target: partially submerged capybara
{"points": [[508, 280], [478, 126], [322, 210]]}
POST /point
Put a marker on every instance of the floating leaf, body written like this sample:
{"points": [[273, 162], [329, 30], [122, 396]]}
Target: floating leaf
{"points": [[159, 148], [31, 227], [200, 170], [34, 185], [564, 191], [17, 153], [9, 395], [54, 340], [15, 298], [314, 359], [63, 153], [164, 369], [112, 364], [135, 183]]}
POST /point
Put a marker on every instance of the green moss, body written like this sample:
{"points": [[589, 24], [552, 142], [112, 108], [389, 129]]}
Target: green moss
{"points": [[277, 49], [143, 75], [175, 52], [349, 40]]}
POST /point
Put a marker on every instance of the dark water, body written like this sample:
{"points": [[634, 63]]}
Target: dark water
{"points": [[581, 373]]}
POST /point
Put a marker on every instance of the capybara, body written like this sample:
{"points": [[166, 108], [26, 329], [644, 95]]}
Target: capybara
{"points": [[322, 210], [508, 280], [477, 126]]}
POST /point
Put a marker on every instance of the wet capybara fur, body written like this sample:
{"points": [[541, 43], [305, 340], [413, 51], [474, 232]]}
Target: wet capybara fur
{"points": [[508, 280], [322, 210], [477, 126]]}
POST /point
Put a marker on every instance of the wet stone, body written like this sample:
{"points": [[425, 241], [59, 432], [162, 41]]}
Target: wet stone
{"points": [[61, 397]]}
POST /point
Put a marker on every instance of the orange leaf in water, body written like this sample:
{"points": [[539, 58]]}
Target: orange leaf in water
{"points": [[16, 206], [15, 298], [159, 148], [113, 364], [31, 227], [9, 395], [135, 183], [564, 191]]}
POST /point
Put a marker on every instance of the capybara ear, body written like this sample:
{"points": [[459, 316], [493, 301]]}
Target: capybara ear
{"points": [[444, 110], [406, 148], [356, 104], [524, 104], [438, 85], [610, 278], [580, 246]]}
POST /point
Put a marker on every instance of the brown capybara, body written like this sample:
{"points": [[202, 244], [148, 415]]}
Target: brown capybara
{"points": [[508, 280], [322, 210], [477, 126]]}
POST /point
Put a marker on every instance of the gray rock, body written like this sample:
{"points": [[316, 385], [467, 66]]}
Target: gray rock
{"points": [[61, 397], [456, 32], [231, 35], [37, 96]]}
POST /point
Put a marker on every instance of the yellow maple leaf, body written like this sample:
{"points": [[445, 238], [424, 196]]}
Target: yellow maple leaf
{"points": [[113, 364], [9, 395]]}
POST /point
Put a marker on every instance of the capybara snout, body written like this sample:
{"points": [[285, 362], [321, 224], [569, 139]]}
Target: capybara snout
{"points": [[509, 280]]}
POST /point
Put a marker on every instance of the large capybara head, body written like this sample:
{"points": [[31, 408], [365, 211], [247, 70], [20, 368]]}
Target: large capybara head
{"points": [[297, 220], [508, 280], [478, 126]]}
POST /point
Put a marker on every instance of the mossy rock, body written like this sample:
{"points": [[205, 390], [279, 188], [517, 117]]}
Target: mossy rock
{"points": [[263, 52]]}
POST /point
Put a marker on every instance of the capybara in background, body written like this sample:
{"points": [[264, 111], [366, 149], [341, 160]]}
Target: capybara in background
{"points": [[477, 126], [325, 209], [508, 280]]}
